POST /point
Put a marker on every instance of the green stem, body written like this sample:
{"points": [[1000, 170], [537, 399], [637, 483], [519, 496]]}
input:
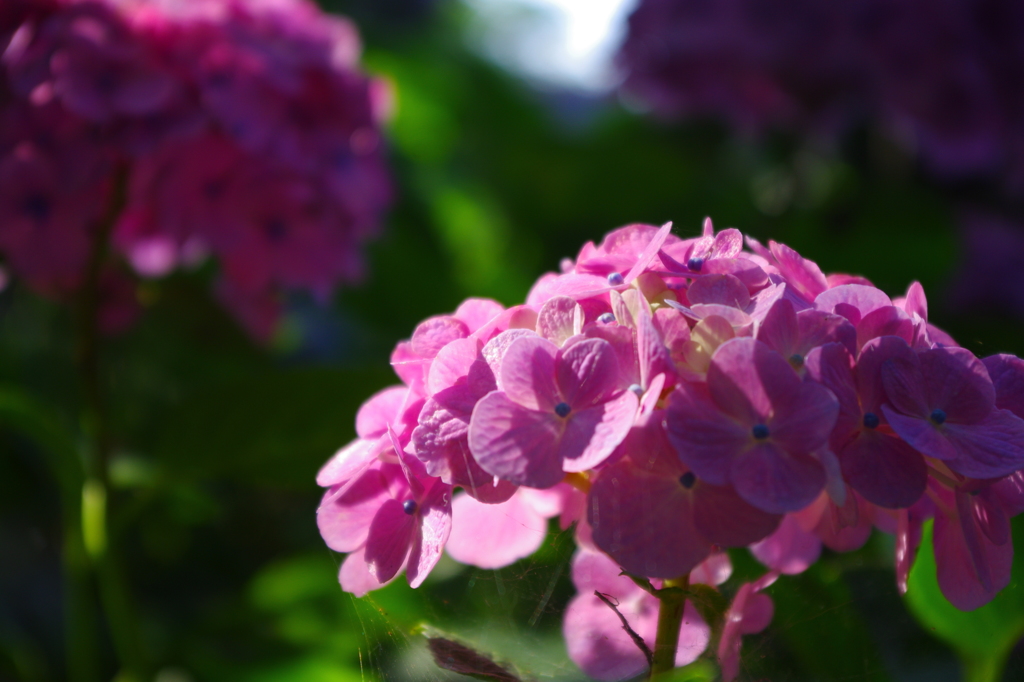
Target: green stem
{"points": [[670, 621], [95, 502], [984, 669]]}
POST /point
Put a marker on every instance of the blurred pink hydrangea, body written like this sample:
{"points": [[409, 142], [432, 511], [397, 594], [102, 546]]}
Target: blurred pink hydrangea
{"points": [[241, 129], [667, 399]]}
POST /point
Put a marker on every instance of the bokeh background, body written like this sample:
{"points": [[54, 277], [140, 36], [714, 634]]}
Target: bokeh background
{"points": [[510, 147]]}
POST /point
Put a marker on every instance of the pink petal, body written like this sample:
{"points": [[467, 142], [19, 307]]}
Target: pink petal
{"points": [[435, 333], [435, 524], [654, 357], [789, 550], [345, 515], [728, 243], [477, 312], [348, 462], [804, 274], [494, 350], [591, 435], [722, 289], [916, 302], [555, 319], [381, 409], [355, 577], [714, 570], [586, 373], [885, 321], [648, 254], [452, 363], [704, 438], [804, 423], [494, 535], [869, 375], [747, 379], [572, 285], [776, 481], [515, 443], [780, 330], [863, 298], [408, 365], [528, 373], [387, 545]]}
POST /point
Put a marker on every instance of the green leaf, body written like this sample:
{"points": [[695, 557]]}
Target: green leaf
{"points": [[701, 670], [982, 638]]}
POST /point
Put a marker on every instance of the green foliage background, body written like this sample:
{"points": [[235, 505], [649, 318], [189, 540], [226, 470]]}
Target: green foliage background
{"points": [[218, 442]]}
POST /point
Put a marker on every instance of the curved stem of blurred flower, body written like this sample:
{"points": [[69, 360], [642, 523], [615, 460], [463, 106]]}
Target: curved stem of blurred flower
{"points": [[672, 597], [95, 501], [982, 668]]}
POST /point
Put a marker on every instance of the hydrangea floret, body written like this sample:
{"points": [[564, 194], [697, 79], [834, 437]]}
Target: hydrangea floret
{"points": [[669, 399]]}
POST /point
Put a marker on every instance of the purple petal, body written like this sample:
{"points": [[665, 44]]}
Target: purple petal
{"points": [[776, 481], [884, 469], [387, 545], [724, 518], [586, 373], [494, 535], [703, 437], [747, 380], [868, 375], [555, 319], [818, 328], [528, 373], [903, 382], [743, 269], [645, 522], [991, 448], [920, 434], [958, 383], [803, 424], [1010, 493], [591, 435], [516, 444], [885, 321], [789, 550], [970, 570], [830, 365], [1007, 374], [435, 524]]}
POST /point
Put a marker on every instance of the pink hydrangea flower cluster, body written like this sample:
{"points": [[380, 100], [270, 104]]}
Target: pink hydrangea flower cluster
{"points": [[673, 398], [239, 128]]}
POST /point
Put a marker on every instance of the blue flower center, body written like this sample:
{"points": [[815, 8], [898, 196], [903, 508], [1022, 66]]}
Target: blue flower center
{"points": [[695, 264], [615, 279], [796, 360], [870, 420], [606, 318], [938, 417], [409, 507], [563, 409], [760, 431], [688, 480]]}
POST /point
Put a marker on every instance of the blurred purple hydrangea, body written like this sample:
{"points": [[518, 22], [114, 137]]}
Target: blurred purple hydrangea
{"points": [[241, 129]]}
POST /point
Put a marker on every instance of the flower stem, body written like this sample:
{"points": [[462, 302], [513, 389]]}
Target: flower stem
{"points": [[670, 621], [95, 502]]}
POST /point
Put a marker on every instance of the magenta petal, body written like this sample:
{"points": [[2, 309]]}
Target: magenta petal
{"points": [[454, 362], [776, 481], [494, 535], [790, 549], [653, 355], [884, 469], [904, 384], [916, 302], [991, 448], [494, 350], [969, 579], [592, 435], [528, 373], [703, 437], [467, 473], [780, 330], [348, 462], [645, 522], [804, 274], [804, 423], [830, 366], [596, 642], [387, 545], [726, 519], [587, 372], [649, 253], [868, 374], [345, 515], [920, 434], [355, 577], [818, 327], [516, 444], [1007, 374], [435, 521], [476, 312], [728, 243]]}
